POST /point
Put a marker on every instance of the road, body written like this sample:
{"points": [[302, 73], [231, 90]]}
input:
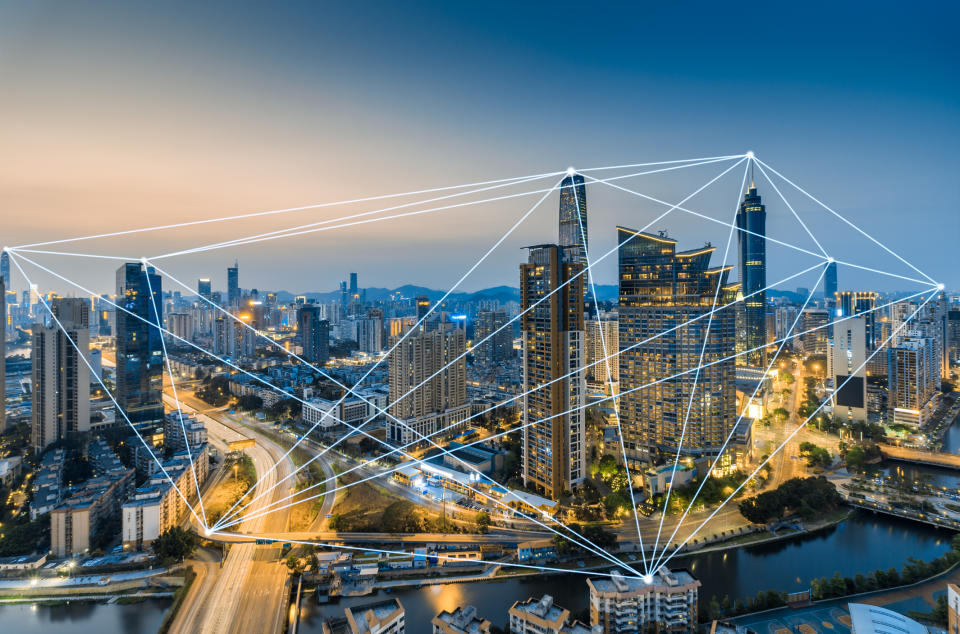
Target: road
{"points": [[249, 592]]}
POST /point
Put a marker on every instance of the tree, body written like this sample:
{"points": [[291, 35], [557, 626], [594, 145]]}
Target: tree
{"points": [[175, 544], [483, 522]]}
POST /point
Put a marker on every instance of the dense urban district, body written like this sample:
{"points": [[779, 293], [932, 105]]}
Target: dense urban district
{"points": [[271, 462]]}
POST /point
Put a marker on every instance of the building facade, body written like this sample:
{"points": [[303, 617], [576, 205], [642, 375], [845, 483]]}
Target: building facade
{"points": [[752, 241], [622, 605], [139, 348]]}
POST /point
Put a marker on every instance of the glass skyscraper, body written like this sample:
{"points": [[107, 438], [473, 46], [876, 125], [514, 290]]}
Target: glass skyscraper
{"points": [[139, 390], [233, 285], [751, 236], [661, 290]]}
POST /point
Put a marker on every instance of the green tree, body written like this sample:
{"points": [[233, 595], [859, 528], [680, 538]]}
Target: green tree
{"points": [[483, 522], [175, 544]]}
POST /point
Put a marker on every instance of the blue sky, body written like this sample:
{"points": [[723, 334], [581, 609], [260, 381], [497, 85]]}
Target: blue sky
{"points": [[119, 116]]}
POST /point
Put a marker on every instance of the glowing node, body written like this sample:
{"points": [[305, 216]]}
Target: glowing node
{"points": [[571, 171], [144, 259], [750, 154], [940, 286], [830, 259], [207, 532], [5, 249]]}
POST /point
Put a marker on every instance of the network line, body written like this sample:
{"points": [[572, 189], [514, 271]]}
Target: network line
{"points": [[541, 386], [756, 389], [665, 561], [347, 202], [582, 541], [176, 398], [267, 510], [511, 321], [15, 260], [606, 361], [312, 228], [394, 347], [859, 230], [703, 351], [792, 210]]}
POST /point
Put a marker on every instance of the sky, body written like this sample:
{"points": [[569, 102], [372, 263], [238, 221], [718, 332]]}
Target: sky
{"points": [[122, 115]]}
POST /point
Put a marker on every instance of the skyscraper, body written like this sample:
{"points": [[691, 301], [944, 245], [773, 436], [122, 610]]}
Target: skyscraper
{"points": [[498, 347], [603, 335], [139, 348], [751, 237], [661, 290], [5, 269], [853, 303], [3, 353], [233, 285], [428, 384], [423, 307], [554, 378], [354, 290], [913, 373], [314, 334], [830, 284], [61, 376], [344, 297], [846, 367], [203, 288], [573, 226]]}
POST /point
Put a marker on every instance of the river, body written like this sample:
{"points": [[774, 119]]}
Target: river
{"points": [[861, 544], [84, 617]]}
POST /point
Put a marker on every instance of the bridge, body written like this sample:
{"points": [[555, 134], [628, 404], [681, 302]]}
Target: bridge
{"points": [[919, 456], [902, 512]]}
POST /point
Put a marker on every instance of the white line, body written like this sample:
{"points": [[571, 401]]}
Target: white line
{"points": [[797, 430], [790, 207]]}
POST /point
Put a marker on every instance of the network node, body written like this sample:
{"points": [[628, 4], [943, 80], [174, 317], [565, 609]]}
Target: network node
{"points": [[5, 249], [750, 154], [207, 532], [940, 286], [830, 259], [647, 579], [571, 171], [143, 259]]}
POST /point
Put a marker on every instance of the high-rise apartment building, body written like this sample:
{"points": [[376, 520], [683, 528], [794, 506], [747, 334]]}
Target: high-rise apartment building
{"points": [[554, 379], [61, 376], [661, 292], [428, 384], [233, 285], [139, 391], [5, 270], [603, 335], [314, 334], [846, 367], [813, 331], [752, 240], [491, 325], [913, 375]]}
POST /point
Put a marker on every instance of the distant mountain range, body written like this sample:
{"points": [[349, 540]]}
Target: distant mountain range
{"points": [[605, 293]]}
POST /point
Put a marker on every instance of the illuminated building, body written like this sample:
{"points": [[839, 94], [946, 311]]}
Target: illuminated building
{"points": [[499, 346], [665, 602], [428, 384], [423, 306], [3, 351], [812, 330], [314, 334], [660, 291], [543, 616], [751, 237], [460, 621], [61, 376], [846, 367], [233, 285], [830, 285], [553, 358], [573, 222], [203, 288], [598, 377], [853, 303], [139, 348], [913, 375]]}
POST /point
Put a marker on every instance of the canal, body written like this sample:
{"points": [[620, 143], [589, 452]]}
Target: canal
{"points": [[84, 617], [861, 544]]}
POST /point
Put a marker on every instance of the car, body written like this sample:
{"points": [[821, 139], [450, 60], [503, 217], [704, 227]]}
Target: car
{"points": [[329, 515]]}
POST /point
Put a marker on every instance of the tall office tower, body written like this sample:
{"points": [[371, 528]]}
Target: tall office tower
{"points": [[573, 226], [203, 288], [751, 237], [233, 285], [846, 366], [913, 375], [5, 269], [423, 306], [853, 303], [61, 376], [139, 391], [492, 326], [3, 353], [314, 334], [428, 384], [344, 297], [953, 336], [554, 379], [830, 285], [603, 335], [812, 331], [661, 290], [354, 289]]}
